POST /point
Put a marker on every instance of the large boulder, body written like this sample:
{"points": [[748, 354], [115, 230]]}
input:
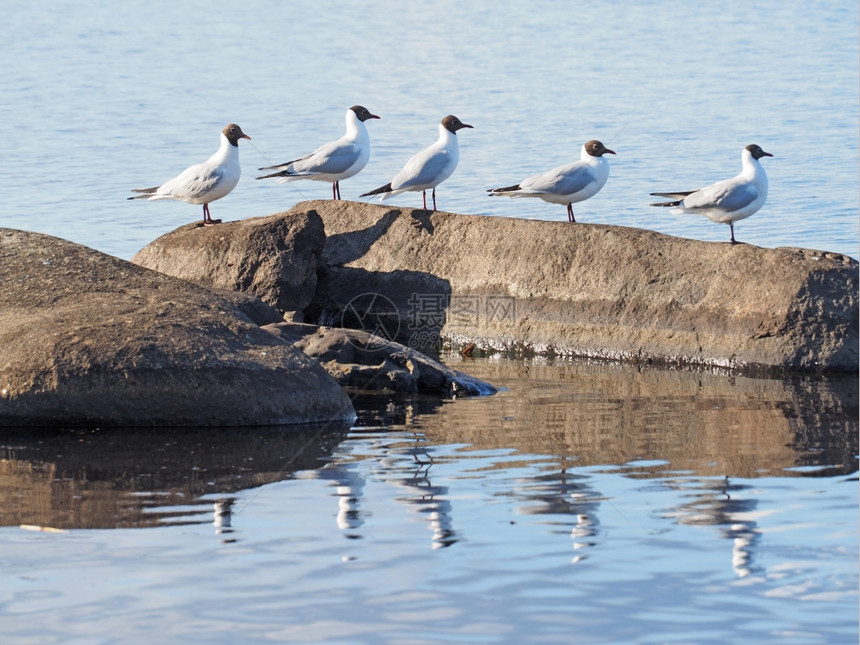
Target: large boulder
{"points": [[274, 258], [86, 338], [584, 289]]}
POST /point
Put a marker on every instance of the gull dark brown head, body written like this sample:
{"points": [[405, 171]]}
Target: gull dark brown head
{"points": [[757, 152], [452, 123], [233, 133], [363, 113], [596, 149]]}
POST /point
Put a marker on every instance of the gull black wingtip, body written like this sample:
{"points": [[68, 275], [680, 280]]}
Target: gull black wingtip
{"points": [[377, 191], [282, 173], [505, 189]]}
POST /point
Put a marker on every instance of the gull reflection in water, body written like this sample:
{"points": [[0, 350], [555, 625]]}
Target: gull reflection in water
{"points": [[223, 518], [404, 467], [569, 497], [409, 469], [717, 503], [586, 527], [744, 536], [349, 490]]}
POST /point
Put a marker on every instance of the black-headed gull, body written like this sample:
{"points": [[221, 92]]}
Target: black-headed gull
{"points": [[568, 184], [335, 160], [205, 182], [729, 200], [428, 168]]}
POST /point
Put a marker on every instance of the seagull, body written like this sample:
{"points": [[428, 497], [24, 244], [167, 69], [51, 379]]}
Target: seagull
{"points": [[335, 160], [428, 168], [729, 200], [568, 184], [204, 182]]}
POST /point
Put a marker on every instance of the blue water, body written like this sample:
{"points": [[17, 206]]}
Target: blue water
{"points": [[101, 99], [583, 503]]}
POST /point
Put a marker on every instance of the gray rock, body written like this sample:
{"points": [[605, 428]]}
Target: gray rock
{"points": [[361, 361], [274, 258], [86, 338], [585, 289]]}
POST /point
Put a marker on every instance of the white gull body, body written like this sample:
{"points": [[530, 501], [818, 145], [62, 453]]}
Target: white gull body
{"points": [[335, 160], [568, 184], [205, 182], [730, 200], [428, 168]]}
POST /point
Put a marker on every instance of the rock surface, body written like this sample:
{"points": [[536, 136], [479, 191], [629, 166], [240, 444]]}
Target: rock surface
{"points": [[91, 339], [584, 289], [364, 362], [274, 258]]}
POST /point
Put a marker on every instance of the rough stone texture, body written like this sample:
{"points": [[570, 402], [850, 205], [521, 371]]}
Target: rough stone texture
{"points": [[86, 338], [274, 258], [362, 361], [258, 311], [585, 289]]}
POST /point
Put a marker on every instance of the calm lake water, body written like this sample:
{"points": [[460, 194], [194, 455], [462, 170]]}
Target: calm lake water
{"points": [[601, 501], [585, 502]]}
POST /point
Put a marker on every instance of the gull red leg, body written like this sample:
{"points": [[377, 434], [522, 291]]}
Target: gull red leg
{"points": [[434, 200], [732, 226], [207, 218], [424, 195], [570, 217]]}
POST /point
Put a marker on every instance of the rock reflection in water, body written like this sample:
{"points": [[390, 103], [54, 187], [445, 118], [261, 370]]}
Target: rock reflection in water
{"points": [[122, 478], [711, 423], [696, 431]]}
